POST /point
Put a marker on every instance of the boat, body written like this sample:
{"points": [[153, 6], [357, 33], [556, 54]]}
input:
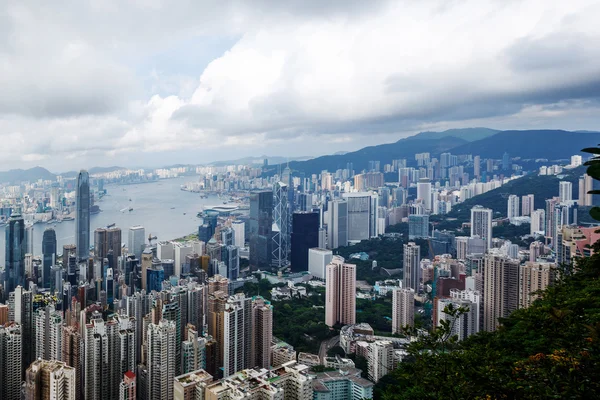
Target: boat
{"points": [[129, 199], [50, 221], [184, 213], [130, 209], [172, 208], [68, 219]]}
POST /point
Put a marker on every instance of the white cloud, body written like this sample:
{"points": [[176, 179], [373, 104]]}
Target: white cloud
{"points": [[75, 83]]}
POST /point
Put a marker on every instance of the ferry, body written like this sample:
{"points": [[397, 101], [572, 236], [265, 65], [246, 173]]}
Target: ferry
{"points": [[130, 209]]}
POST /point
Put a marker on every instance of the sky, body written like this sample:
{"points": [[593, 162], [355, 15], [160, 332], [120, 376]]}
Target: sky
{"points": [[156, 82]]}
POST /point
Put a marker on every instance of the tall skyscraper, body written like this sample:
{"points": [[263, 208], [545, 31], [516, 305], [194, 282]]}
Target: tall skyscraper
{"points": [[424, 193], [477, 166], [506, 162], [239, 234], [340, 293], [481, 224], [230, 255], [565, 191], [412, 266], [305, 235], [403, 309], [137, 240], [48, 256], [261, 229], [237, 334], [500, 288], [337, 226], [527, 204], [513, 206], [362, 216], [50, 380], [127, 388], [82, 215], [161, 342], [281, 226], [262, 333], [538, 221], [11, 347], [533, 278], [47, 325], [418, 226], [14, 267]]}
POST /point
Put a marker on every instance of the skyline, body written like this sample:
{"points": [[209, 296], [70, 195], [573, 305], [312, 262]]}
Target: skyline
{"points": [[163, 80]]}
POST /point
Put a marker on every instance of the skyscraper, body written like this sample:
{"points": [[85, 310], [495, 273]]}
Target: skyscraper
{"points": [[337, 226], [500, 288], [538, 221], [239, 236], [305, 235], [261, 229], [362, 216], [48, 255], [481, 224], [50, 380], [565, 191], [418, 226], [281, 226], [161, 342], [513, 206], [424, 193], [14, 268], [82, 215], [477, 166], [262, 333], [137, 240], [11, 345], [237, 334], [230, 255], [403, 309], [127, 388], [412, 266], [533, 278], [527, 204], [340, 292]]}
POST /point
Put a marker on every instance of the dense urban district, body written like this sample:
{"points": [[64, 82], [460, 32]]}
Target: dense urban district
{"points": [[454, 265]]}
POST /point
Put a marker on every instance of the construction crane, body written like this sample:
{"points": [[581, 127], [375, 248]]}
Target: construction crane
{"points": [[151, 238]]}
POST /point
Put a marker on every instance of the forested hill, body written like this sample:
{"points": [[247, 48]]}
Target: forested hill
{"points": [[531, 144], [550, 350]]}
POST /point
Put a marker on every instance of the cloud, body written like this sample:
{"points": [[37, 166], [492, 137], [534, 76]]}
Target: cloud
{"points": [[95, 82]]}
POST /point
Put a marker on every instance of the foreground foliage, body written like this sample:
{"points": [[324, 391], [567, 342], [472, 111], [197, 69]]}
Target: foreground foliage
{"points": [[548, 351]]}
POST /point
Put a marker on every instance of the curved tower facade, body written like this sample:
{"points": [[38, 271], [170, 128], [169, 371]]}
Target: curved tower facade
{"points": [[15, 253]]}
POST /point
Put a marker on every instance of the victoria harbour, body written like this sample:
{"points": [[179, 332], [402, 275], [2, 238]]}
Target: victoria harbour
{"points": [[161, 207]]}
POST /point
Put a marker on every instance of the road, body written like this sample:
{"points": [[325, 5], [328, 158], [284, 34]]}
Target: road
{"points": [[326, 345]]}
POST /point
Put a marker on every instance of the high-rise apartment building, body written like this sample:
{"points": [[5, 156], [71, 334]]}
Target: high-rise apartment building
{"points": [[137, 240], [513, 207], [462, 325], [534, 277], [411, 266], [481, 224], [11, 347], [340, 292], [500, 288], [47, 325], [261, 229], [189, 385], [565, 191], [527, 204], [162, 358], [193, 351], [586, 184], [48, 255], [380, 359], [538, 221], [15, 249], [477, 166], [50, 380], [418, 226], [82, 215], [20, 303], [127, 388], [237, 334], [305, 235], [403, 309], [262, 333], [337, 226]]}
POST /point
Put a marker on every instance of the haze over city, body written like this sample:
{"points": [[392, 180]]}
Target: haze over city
{"points": [[189, 82]]}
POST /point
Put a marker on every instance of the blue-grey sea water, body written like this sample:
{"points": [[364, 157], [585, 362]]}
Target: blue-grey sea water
{"points": [[160, 207]]}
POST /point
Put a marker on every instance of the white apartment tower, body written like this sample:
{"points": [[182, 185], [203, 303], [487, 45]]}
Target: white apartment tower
{"points": [[534, 277], [161, 360], [11, 348], [527, 204], [424, 193], [50, 380], [403, 309], [380, 359], [481, 224], [48, 333], [513, 206], [340, 293], [565, 191]]}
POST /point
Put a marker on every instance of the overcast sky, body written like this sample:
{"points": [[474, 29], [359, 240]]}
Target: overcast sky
{"points": [[156, 82]]}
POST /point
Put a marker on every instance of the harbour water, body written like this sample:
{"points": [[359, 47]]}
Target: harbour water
{"points": [[160, 207]]}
